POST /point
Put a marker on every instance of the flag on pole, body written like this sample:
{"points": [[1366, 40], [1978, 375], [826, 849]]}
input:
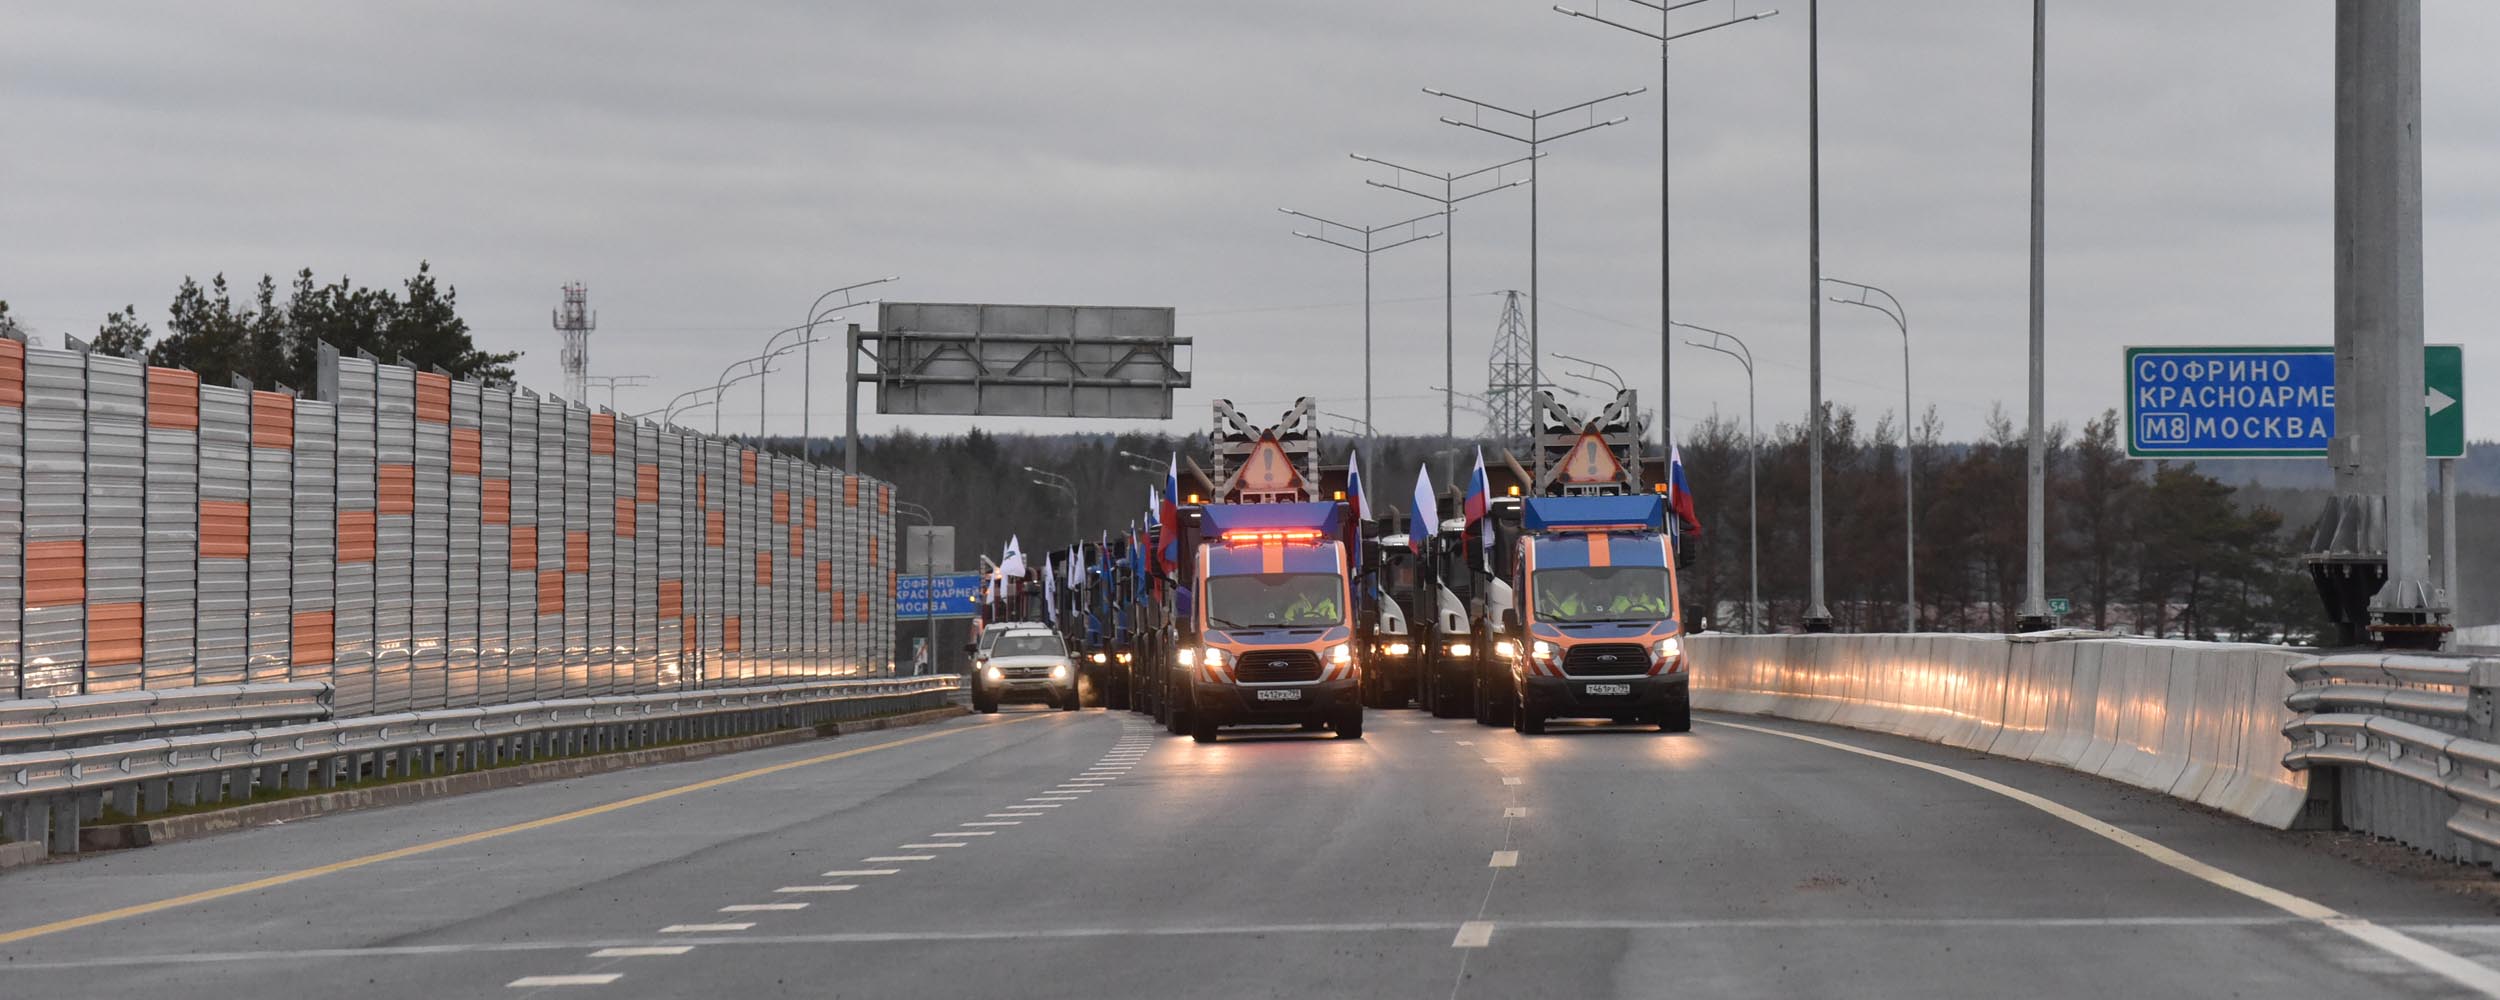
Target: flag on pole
{"points": [[1354, 486], [1423, 518], [1050, 592], [1011, 564], [1680, 495], [1169, 515], [1479, 499]]}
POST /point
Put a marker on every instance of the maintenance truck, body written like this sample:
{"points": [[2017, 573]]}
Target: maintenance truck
{"points": [[1579, 585], [1259, 595]]}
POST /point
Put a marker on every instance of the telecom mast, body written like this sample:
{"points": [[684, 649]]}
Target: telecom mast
{"points": [[575, 321], [1506, 379]]}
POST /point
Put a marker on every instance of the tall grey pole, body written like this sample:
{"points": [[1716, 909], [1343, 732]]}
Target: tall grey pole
{"points": [[1818, 618], [2448, 530], [1367, 345], [2035, 609], [1900, 317], [2378, 299], [1753, 492], [850, 396], [1536, 355]]}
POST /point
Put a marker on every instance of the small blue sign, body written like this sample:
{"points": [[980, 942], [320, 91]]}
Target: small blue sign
{"points": [[2223, 402], [957, 595]]}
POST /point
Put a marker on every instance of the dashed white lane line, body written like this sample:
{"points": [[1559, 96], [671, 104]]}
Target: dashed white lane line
{"points": [[1464, 743], [902, 857], [1473, 934], [1510, 780], [1492, 760], [924, 847], [844, 887], [1504, 859], [1073, 791], [1012, 815], [1515, 812], [995, 822], [1038, 805], [643, 951], [581, 979], [704, 928], [859, 872], [964, 833], [762, 907]]}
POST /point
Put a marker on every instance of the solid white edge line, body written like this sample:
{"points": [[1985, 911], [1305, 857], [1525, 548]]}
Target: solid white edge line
{"points": [[2456, 968], [579, 979], [642, 951], [1473, 934]]}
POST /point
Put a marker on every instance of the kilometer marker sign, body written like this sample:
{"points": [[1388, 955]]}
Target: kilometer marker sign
{"points": [[2266, 402]]}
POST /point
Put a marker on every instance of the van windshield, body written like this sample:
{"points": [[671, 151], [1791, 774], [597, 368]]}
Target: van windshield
{"points": [[1603, 594], [1275, 600]]}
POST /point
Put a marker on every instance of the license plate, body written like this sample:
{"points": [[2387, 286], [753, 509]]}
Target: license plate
{"points": [[1279, 694], [1606, 689]]}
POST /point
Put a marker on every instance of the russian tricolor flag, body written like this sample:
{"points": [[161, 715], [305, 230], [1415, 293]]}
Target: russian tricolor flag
{"points": [[1424, 515], [1168, 513], [1680, 495], [1479, 498]]}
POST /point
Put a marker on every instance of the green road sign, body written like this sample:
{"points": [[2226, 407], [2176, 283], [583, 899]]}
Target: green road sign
{"points": [[2061, 607], [2443, 400]]}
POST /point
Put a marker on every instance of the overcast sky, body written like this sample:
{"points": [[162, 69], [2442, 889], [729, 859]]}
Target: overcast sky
{"points": [[708, 169]]}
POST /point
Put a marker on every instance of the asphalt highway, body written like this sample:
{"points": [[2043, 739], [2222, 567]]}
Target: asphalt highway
{"points": [[1082, 855]]}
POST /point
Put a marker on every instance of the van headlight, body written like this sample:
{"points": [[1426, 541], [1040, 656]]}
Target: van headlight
{"points": [[1124, 657], [1211, 656], [1541, 649], [1668, 648], [1100, 658], [1461, 649], [1341, 654], [1399, 649], [1189, 656], [1506, 649]]}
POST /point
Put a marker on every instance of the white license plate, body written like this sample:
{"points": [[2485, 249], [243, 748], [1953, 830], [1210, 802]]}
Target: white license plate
{"points": [[1279, 694], [1605, 689]]}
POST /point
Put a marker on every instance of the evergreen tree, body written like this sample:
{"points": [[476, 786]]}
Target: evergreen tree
{"points": [[122, 335]]}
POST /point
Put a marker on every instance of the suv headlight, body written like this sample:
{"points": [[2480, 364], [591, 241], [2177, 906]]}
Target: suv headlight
{"points": [[1668, 648], [1462, 649], [993, 675], [1059, 673], [1541, 649], [1341, 654], [1506, 649]]}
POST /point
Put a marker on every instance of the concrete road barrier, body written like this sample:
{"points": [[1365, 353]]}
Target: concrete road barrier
{"points": [[2197, 721]]}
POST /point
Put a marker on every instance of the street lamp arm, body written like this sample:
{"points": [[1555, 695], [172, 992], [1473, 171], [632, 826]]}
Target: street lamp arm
{"points": [[1330, 242], [1729, 23], [1403, 242], [1668, 8], [1590, 127], [1740, 359], [1446, 120], [1643, 32]]}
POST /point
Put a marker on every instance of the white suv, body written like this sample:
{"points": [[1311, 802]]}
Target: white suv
{"points": [[1028, 664]]}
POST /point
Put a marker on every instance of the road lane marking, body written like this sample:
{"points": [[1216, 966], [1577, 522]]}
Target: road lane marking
{"points": [[850, 872], [1038, 805], [1515, 812], [1510, 781], [581, 979], [1492, 760], [1464, 743], [845, 887], [1061, 791], [1473, 934], [994, 822], [647, 951], [924, 847], [902, 857], [1504, 859], [762, 907], [965, 833], [1015, 815], [703, 928], [2456, 968], [463, 840]]}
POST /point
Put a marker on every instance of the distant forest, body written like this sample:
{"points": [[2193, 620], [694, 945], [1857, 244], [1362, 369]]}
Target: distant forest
{"points": [[2171, 548]]}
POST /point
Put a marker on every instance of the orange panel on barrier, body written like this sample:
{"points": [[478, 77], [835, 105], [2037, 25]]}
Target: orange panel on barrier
{"points": [[577, 552], [433, 398], [781, 506], [273, 420], [624, 517], [729, 638], [173, 399], [746, 466], [395, 489], [355, 536], [863, 607], [468, 448], [113, 634], [494, 501], [850, 491], [524, 548], [316, 637], [13, 374], [603, 434], [551, 592], [763, 569], [646, 483], [824, 575], [56, 573], [225, 529], [672, 599], [841, 607], [811, 513], [715, 530]]}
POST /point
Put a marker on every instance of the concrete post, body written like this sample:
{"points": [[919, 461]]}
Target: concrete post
{"points": [[155, 795], [2378, 450], [126, 798], [65, 819]]}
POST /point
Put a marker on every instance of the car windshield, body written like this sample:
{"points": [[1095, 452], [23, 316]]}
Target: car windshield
{"points": [[1602, 593], [1028, 645], [1275, 600]]}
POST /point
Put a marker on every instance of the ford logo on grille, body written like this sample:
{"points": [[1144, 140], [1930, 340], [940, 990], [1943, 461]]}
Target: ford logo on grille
{"points": [[1605, 657], [1280, 664]]}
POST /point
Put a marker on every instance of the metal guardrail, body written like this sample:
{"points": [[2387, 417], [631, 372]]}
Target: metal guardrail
{"points": [[62, 723], [2402, 733], [48, 795]]}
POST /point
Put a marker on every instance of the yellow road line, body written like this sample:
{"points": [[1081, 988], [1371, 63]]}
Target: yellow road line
{"points": [[2457, 969], [299, 875]]}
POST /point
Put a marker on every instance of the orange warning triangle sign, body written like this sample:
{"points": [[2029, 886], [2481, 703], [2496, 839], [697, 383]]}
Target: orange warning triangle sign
{"points": [[1592, 461], [1267, 469]]}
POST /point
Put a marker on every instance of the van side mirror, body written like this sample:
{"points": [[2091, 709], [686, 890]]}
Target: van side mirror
{"points": [[1510, 619]]}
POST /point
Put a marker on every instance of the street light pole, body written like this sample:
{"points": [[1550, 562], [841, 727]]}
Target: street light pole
{"points": [[1818, 618], [1064, 485], [1753, 493], [1367, 250], [1900, 317], [2035, 610], [1666, 144], [1448, 199], [1535, 140], [818, 313]]}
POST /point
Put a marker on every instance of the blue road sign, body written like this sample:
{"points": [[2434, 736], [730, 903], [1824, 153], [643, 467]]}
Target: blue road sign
{"points": [[955, 595], [2263, 402]]}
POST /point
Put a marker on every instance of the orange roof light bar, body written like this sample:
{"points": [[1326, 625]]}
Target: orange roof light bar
{"points": [[1273, 535]]}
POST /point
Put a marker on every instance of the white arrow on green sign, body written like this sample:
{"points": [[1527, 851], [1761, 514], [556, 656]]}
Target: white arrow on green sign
{"points": [[2267, 402]]}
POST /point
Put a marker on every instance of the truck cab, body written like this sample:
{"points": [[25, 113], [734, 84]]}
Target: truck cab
{"points": [[1393, 581], [1596, 631]]}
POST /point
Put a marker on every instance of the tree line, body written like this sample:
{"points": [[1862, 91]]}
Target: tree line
{"points": [[275, 341]]}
